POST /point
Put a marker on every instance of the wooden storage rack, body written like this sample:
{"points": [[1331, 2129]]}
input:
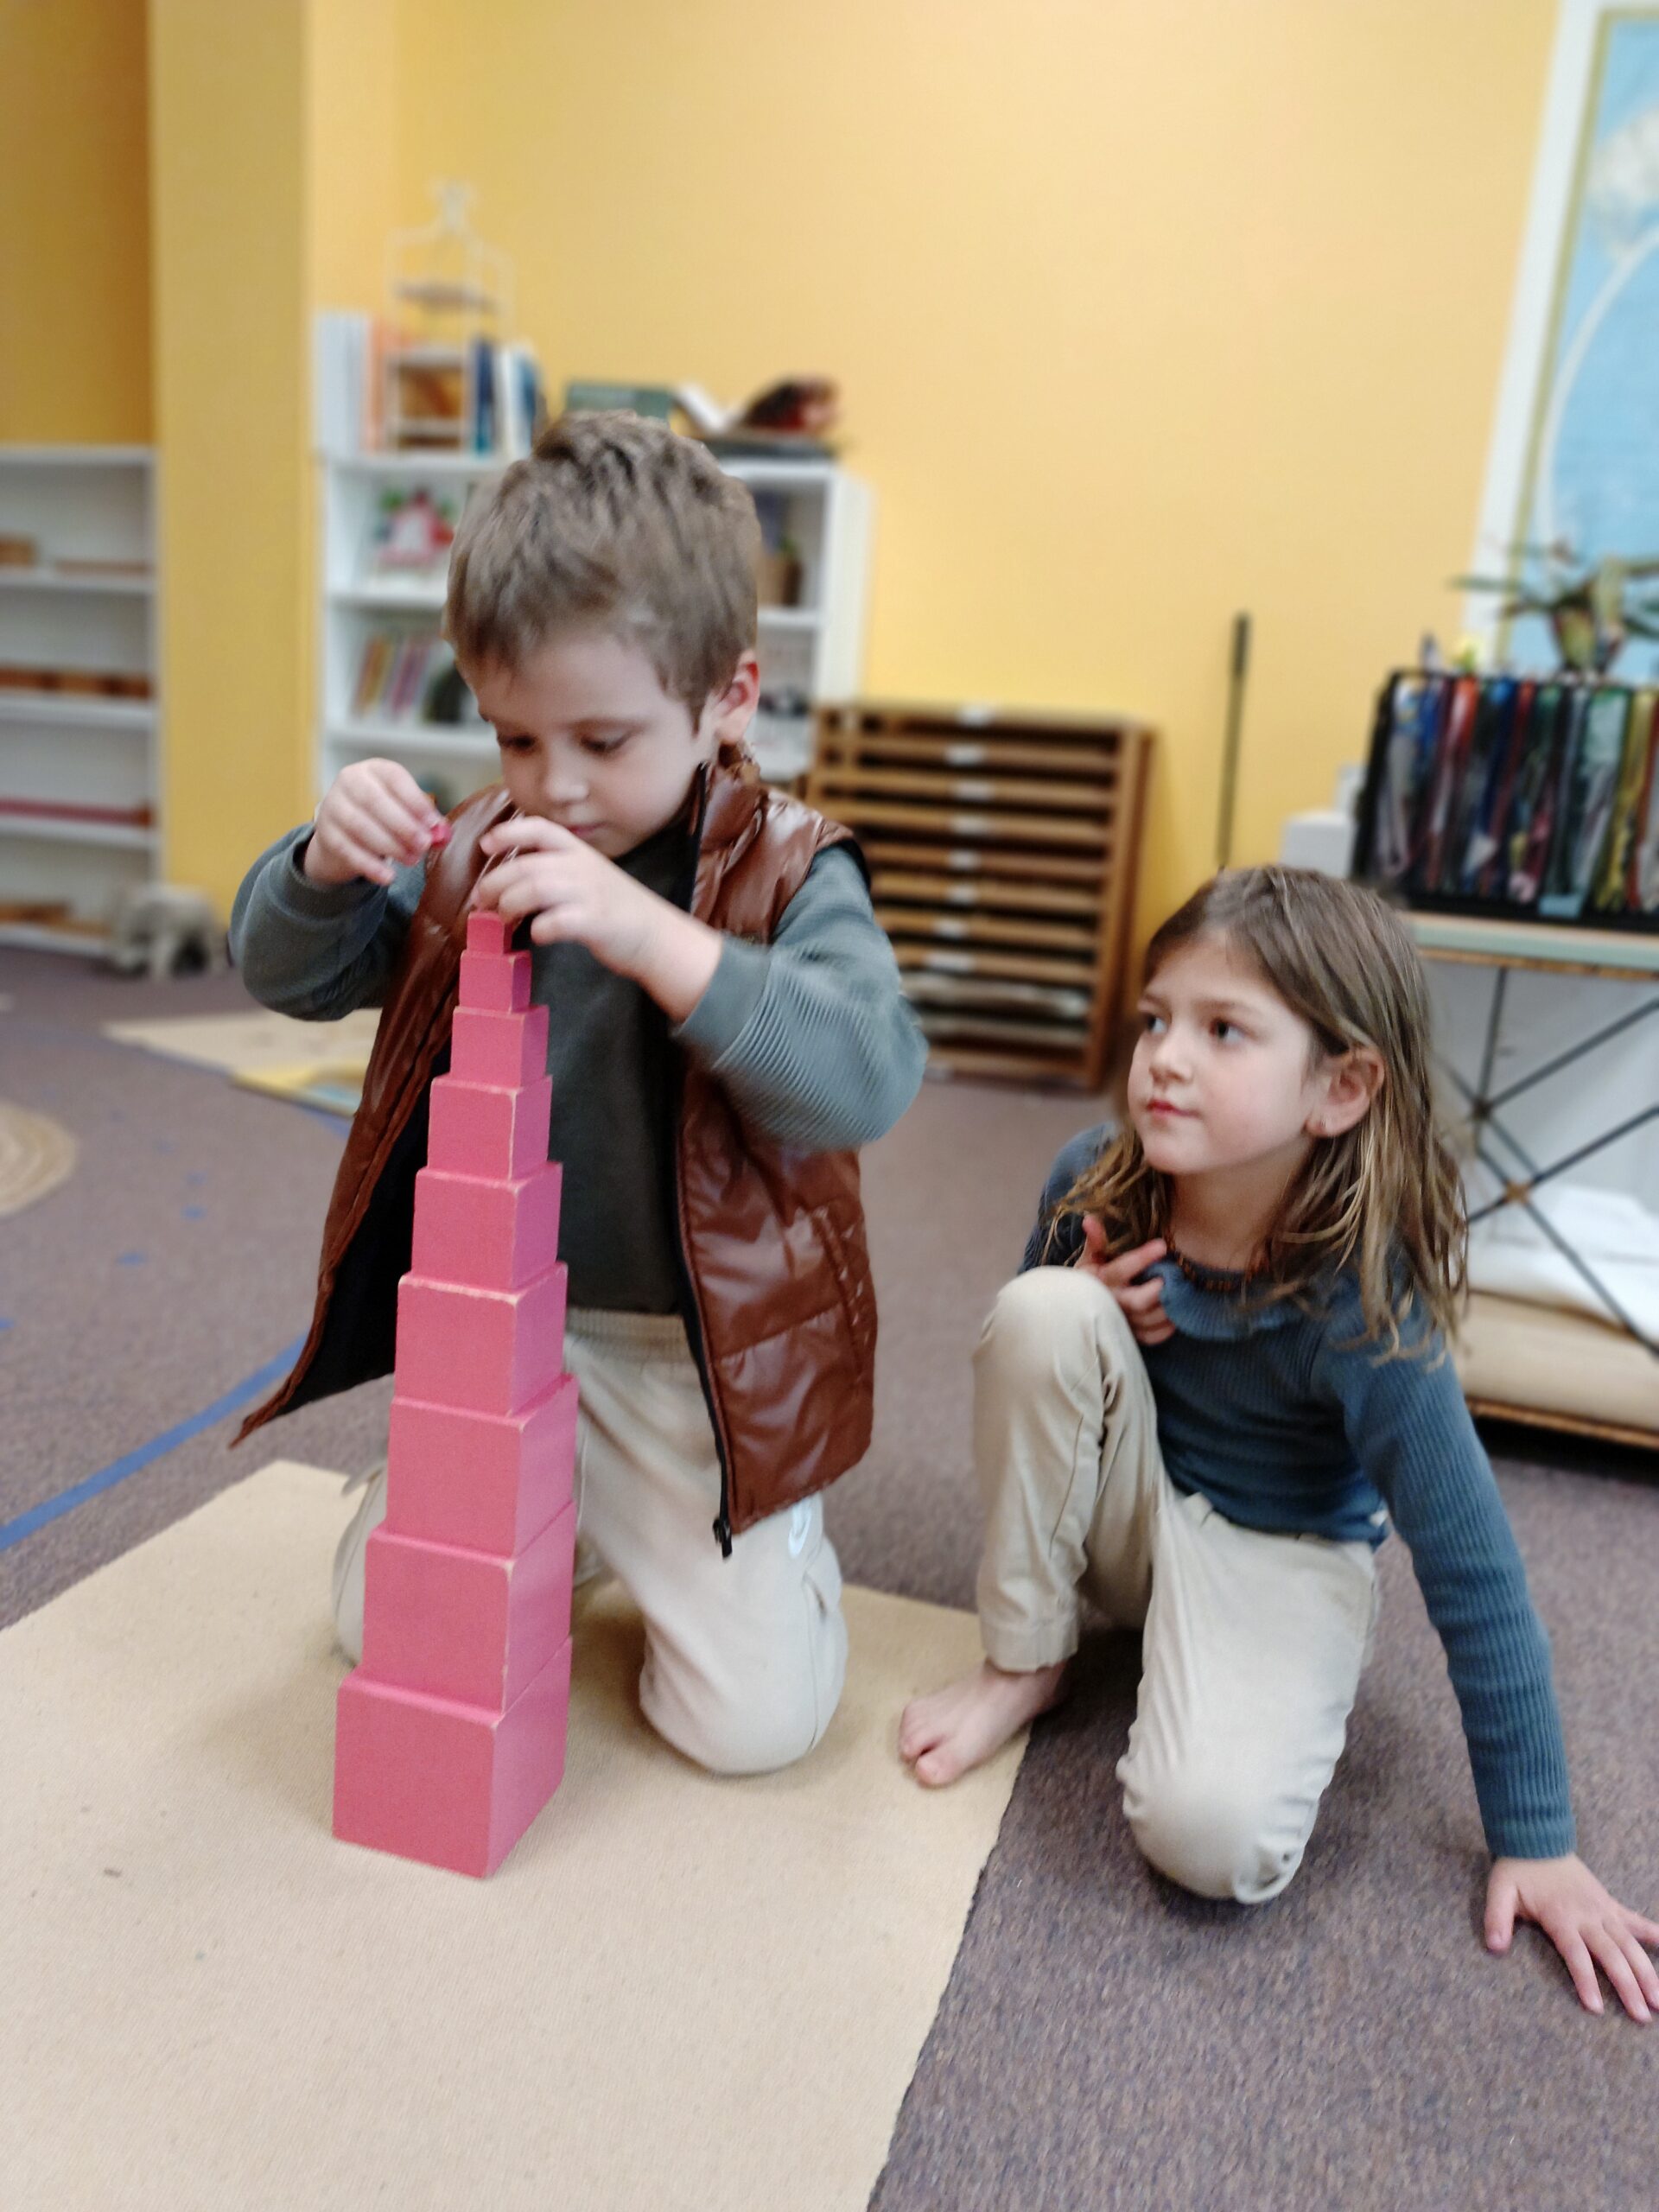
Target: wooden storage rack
{"points": [[1002, 851]]}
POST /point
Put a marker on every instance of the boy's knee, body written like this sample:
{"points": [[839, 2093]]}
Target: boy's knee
{"points": [[1216, 1837], [758, 1723], [749, 1736]]}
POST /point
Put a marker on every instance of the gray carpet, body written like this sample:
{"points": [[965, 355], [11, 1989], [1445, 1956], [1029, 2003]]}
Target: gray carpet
{"points": [[1105, 2041]]}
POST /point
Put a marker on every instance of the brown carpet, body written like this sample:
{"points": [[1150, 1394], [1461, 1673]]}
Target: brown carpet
{"points": [[1104, 2041]]}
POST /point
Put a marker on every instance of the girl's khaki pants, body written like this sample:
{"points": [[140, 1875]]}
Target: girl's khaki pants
{"points": [[1252, 1643]]}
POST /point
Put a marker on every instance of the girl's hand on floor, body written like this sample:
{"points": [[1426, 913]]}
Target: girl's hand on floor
{"points": [[1142, 1302], [1587, 1926]]}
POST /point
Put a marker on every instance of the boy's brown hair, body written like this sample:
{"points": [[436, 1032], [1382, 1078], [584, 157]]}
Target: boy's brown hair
{"points": [[1383, 1202], [617, 521]]}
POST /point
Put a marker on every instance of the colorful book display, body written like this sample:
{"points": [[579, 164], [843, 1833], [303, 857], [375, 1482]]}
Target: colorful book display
{"points": [[1503, 795], [450, 1734]]}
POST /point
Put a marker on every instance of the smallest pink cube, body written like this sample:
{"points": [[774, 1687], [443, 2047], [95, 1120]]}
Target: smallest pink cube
{"points": [[485, 932]]}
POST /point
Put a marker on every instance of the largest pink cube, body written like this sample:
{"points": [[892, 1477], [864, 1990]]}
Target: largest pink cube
{"points": [[453, 1785]]}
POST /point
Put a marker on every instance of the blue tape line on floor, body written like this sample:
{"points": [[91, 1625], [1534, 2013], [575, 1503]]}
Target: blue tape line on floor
{"points": [[54, 1509]]}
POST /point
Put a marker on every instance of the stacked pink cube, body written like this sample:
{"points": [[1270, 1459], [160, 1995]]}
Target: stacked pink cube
{"points": [[450, 1734]]}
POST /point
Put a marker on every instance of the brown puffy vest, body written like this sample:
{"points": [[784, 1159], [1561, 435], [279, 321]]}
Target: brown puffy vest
{"points": [[779, 1307]]}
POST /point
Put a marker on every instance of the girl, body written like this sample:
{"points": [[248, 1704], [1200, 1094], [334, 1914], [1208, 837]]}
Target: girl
{"points": [[1220, 1373]]}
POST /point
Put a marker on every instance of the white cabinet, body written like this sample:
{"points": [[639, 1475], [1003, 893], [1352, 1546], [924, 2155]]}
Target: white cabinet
{"points": [[385, 682], [80, 744]]}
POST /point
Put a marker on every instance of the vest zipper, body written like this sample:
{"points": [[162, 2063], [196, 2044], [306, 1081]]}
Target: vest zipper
{"points": [[692, 1312]]}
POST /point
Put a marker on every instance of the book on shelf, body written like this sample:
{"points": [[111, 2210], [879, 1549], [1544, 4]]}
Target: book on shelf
{"points": [[375, 389], [1514, 796], [408, 676]]}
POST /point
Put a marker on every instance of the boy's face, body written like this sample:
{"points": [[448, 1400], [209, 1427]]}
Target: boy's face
{"points": [[590, 740]]}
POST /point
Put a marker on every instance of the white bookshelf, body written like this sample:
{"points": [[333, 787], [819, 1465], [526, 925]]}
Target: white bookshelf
{"points": [[809, 651], [74, 746]]}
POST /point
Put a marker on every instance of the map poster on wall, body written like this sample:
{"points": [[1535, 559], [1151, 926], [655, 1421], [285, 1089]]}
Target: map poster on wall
{"points": [[1575, 459]]}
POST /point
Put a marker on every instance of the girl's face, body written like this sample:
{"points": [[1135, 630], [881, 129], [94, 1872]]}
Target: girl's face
{"points": [[1225, 1076]]}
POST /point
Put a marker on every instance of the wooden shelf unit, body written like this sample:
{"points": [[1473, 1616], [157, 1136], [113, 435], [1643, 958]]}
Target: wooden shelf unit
{"points": [[1002, 851]]}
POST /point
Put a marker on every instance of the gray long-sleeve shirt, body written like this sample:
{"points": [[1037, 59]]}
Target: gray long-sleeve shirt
{"points": [[811, 1036]]}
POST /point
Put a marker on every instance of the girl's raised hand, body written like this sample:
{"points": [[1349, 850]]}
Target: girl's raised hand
{"points": [[1142, 1302], [1587, 1927]]}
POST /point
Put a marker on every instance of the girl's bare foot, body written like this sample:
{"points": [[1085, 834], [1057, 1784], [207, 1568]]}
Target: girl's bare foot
{"points": [[959, 1727]]}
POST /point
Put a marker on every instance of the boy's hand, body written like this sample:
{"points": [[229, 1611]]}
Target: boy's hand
{"points": [[1143, 1302], [576, 896], [373, 816], [1587, 1926]]}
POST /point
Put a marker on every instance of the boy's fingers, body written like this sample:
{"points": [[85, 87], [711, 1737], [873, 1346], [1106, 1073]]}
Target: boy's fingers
{"points": [[408, 827], [1144, 1298], [396, 779], [367, 830], [361, 860], [529, 833]]}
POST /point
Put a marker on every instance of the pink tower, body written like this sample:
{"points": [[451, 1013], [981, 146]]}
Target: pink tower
{"points": [[450, 1734]]}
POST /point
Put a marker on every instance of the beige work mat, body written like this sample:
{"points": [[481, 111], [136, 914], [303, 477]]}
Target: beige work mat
{"points": [[251, 1043], [678, 1992]]}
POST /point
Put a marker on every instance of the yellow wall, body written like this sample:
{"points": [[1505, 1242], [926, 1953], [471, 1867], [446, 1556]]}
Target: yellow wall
{"points": [[74, 224], [352, 170], [228, 138], [274, 180], [1143, 312]]}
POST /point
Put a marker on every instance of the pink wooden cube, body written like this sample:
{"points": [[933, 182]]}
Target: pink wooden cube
{"points": [[486, 1351], [492, 1481], [481, 1130], [499, 981], [450, 1784], [498, 1236], [465, 1625], [488, 931], [507, 1049]]}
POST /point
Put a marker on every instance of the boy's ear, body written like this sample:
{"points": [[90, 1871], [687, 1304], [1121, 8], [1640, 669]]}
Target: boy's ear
{"points": [[1351, 1081], [730, 713]]}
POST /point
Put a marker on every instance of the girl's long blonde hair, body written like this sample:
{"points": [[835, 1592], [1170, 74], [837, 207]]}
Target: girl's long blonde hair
{"points": [[1385, 1200]]}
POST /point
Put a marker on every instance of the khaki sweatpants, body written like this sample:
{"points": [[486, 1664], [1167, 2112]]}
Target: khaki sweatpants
{"points": [[745, 1656], [1253, 1643]]}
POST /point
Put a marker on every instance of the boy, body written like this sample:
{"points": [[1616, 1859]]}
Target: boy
{"points": [[727, 1026]]}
